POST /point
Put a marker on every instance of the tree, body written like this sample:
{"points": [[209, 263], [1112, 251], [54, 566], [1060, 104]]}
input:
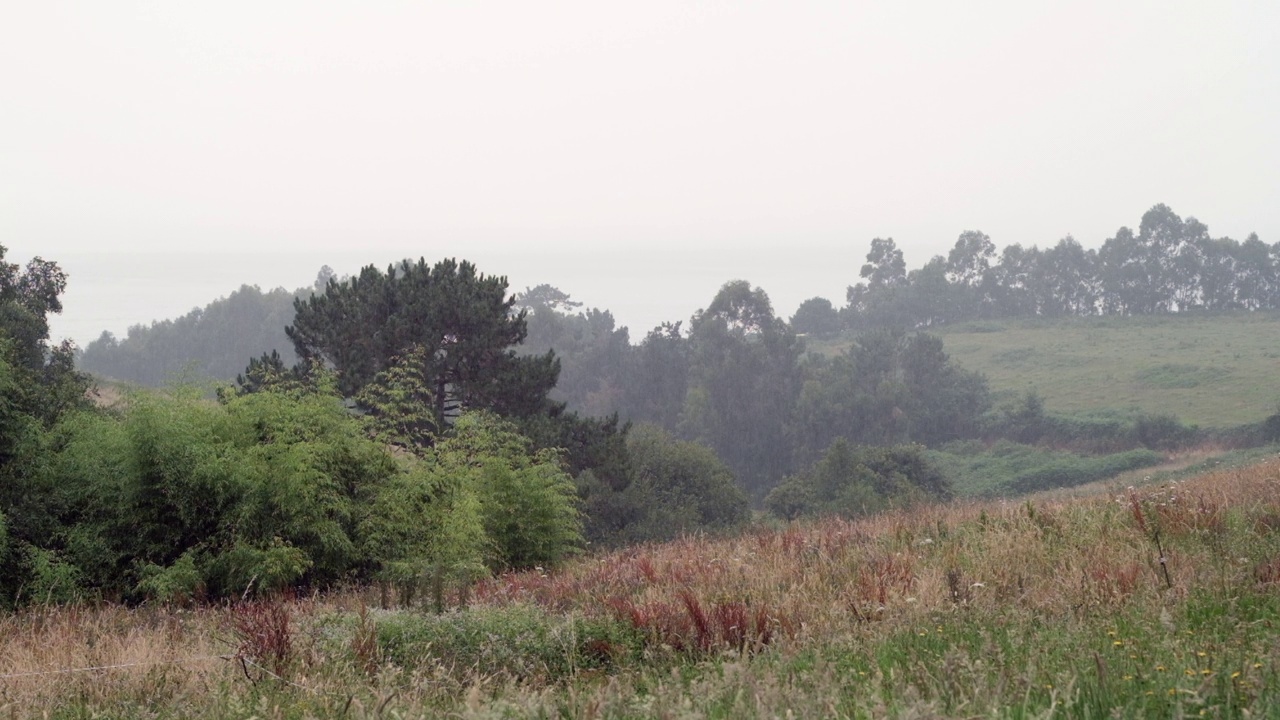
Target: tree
{"points": [[1256, 278], [591, 349], [885, 266], [888, 388], [39, 386], [743, 382], [1071, 276], [457, 322], [969, 270], [1019, 283], [817, 316], [683, 485], [1129, 285], [853, 482], [931, 298], [213, 341], [656, 379], [46, 383]]}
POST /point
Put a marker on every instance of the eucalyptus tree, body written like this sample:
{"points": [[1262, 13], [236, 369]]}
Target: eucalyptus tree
{"points": [[743, 382]]}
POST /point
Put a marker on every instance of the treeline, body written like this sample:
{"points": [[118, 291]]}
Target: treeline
{"points": [[211, 342], [411, 447], [427, 434], [736, 378], [1168, 265]]}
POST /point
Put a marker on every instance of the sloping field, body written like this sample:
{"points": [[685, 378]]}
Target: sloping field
{"points": [[1216, 371], [1211, 371], [1155, 602]]}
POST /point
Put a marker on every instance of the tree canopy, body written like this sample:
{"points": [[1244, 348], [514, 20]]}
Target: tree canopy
{"points": [[458, 324]]}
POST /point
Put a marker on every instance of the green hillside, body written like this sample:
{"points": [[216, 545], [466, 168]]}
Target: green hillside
{"points": [[1214, 371]]}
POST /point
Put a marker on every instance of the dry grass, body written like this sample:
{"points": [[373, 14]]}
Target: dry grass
{"points": [[170, 656], [1056, 605]]}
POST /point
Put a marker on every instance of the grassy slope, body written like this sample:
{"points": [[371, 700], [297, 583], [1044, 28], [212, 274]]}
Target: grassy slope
{"points": [[1055, 607], [1211, 371]]}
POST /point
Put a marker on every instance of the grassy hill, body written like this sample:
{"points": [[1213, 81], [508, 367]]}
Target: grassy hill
{"points": [[1217, 371], [1159, 602]]}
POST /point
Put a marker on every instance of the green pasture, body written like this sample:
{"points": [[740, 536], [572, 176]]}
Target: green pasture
{"points": [[1212, 371]]}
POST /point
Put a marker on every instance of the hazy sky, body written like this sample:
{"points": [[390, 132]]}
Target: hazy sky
{"points": [[637, 155]]}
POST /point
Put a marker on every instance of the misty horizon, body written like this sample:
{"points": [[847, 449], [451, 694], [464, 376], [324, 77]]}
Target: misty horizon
{"points": [[637, 158]]}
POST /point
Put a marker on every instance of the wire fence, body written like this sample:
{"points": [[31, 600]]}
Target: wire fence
{"points": [[97, 668]]}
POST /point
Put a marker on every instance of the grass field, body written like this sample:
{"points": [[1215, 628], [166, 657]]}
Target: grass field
{"points": [[1211, 371], [1156, 602]]}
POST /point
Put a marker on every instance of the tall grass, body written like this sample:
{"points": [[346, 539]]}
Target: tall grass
{"points": [[1157, 601]]}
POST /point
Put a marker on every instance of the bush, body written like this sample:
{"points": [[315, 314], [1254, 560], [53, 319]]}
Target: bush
{"points": [[517, 641], [528, 504], [676, 487], [852, 483], [263, 492]]}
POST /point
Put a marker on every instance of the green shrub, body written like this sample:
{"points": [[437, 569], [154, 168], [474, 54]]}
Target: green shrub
{"points": [[852, 482], [528, 504], [518, 641], [262, 492], [676, 487], [51, 580]]}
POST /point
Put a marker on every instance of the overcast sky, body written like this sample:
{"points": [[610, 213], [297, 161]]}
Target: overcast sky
{"points": [[637, 155]]}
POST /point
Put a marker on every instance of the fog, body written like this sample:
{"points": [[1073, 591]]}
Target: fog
{"points": [[636, 157]]}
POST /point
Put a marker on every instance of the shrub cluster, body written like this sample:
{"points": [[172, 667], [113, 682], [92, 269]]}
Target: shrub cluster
{"points": [[176, 497], [851, 482]]}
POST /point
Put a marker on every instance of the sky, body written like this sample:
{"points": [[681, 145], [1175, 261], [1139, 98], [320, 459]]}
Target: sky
{"points": [[636, 155]]}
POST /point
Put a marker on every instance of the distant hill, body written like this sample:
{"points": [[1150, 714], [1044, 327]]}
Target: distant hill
{"points": [[215, 341], [1210, 370]]}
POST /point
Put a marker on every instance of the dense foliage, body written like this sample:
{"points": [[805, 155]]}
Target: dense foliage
{"points": [[178, 497], [676, 487], [1170, 264], [510, 415], [458, 322], [850, 483], [173, 496], [212, 341]]}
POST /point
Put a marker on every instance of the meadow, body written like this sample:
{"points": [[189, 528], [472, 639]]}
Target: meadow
{"points": [[1214, 371], [1159, 601]]}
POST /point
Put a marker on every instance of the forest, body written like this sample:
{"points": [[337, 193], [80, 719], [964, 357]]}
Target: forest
{"points": [[421, 426]]}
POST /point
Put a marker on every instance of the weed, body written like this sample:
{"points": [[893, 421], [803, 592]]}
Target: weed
{"points": [[263, 634]]}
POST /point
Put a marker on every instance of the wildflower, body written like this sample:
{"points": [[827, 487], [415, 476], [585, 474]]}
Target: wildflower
{"points": [[1202, 653], [1189, 672], [1161, 668], [1111, 633], [1118, 643], [1257, 666], [1206, 672], [1235, 675]]}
